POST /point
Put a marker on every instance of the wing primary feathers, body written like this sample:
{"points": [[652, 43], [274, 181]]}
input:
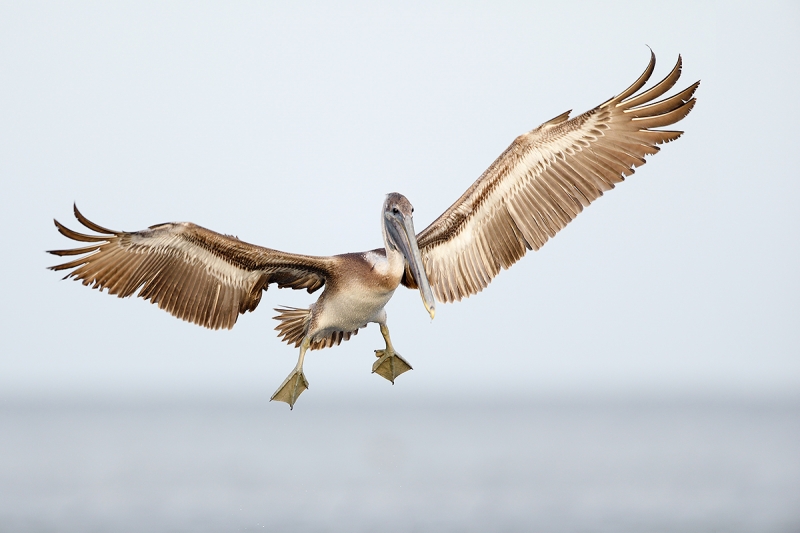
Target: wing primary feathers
{"points": [[671, 117], [191, 272], [75, 236], [89, 224], [640, 81], [74, 251], [659, 88], [544, 180]]}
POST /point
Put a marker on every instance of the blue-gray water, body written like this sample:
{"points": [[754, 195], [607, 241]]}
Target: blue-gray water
{"points": [[538, 465]]}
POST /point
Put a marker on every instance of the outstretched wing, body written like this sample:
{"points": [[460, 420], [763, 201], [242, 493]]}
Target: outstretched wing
{"points": [[542, 181], [193, 273]]}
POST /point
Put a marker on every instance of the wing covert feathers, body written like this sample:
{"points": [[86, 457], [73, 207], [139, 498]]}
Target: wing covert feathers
{"points": [[191, 272], [543, 180]]}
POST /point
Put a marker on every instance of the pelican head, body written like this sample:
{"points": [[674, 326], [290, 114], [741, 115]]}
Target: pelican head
{"points": [[399, 225]]}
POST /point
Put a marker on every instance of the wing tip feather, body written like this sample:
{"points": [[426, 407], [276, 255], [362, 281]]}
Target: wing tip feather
{"points": [[89, 224]]}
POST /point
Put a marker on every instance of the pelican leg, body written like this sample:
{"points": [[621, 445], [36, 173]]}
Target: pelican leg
{"points": [[389, 364], [294, 385]]}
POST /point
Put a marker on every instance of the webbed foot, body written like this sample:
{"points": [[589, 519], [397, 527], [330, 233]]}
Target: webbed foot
{"points": [[292, 387], [389, 364]]}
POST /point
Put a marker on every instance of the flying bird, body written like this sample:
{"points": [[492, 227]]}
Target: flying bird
{"points": [[537, 185]]}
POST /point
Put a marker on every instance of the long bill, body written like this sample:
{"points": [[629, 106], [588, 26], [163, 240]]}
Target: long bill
{"points": [[407, 244]]}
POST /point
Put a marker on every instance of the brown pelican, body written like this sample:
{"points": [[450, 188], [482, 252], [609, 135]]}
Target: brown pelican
{"points": [[539, 184]]}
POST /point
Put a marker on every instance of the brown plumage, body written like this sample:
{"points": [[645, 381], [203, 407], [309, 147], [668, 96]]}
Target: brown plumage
{"points": [[294, 324], [542, 181], [189, 271], [535, 188]]}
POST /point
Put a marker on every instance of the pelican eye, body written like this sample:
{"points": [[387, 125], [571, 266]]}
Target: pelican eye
{"points": [[395, 211]]}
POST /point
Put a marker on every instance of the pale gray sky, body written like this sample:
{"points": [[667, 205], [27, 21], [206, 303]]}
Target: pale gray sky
{"points": [[285, 124]]}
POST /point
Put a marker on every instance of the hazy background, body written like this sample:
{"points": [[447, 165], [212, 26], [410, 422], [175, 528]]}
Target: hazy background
{"points": [[286, 124]]}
